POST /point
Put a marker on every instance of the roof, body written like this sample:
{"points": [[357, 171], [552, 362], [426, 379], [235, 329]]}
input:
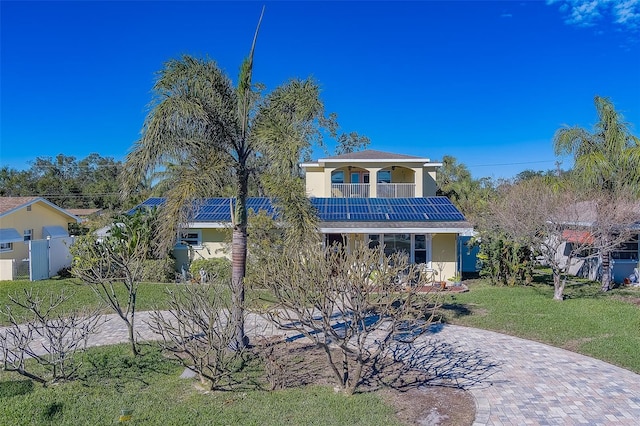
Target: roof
{"points": [[390, 227], [369, 213], [370, 154], [577, 237], [9, 205], [10, 235], [83, 212]]}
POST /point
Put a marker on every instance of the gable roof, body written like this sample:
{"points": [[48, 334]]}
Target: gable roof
{"points": [[9, 205]]}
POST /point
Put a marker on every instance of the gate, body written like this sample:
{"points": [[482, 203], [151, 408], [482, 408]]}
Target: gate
{"points": [[47, 257], [38, 260]]}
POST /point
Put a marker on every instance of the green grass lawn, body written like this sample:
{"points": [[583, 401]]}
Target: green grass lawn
{"points": [[602, 325], [150, 295], [111, 380]]}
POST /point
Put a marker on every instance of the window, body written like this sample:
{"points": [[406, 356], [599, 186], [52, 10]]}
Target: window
{"points": [[627, 251], [6, 247], [337, 177], [384, 176], [190, 238], [331, 239], [418, 247], [28, 234], [394, 243], [360, 177]]}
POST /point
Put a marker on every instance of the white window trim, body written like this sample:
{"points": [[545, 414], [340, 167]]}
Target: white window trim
{"points": [[8, 247], [183, 235], [412, 259], [27, 235]]}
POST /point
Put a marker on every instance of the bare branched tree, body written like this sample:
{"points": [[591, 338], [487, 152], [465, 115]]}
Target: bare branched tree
{"points": [[358, 301], [49, 336], [113, 266], [198, 330], [566, 227]]}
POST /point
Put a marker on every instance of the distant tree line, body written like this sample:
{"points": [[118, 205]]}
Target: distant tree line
{"points": [[66, 181]]}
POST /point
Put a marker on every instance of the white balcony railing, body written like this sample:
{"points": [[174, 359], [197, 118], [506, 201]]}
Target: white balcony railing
{"points": [[396, 190], [384, 190], [350, 190]]}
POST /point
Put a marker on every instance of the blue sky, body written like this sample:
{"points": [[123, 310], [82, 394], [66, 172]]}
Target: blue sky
{"points": [[486, 82]]}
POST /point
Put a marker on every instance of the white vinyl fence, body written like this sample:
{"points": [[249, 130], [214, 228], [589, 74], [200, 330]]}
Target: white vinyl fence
{"points": [[47, 257]]}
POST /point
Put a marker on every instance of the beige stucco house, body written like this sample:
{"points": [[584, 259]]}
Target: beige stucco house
{"points": [[25, 219], [401, 209], [369, 196]]}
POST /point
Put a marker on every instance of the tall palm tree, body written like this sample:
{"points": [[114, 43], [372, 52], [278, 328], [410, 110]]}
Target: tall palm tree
{"points": [[207, 128], [607, 159]]}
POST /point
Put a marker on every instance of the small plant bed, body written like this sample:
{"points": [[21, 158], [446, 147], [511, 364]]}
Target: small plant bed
{"points": [[447, 288]]}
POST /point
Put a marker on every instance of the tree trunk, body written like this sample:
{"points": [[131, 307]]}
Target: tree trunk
{"points": [[238, 268], [558, 286], [239, 256], [132, 338], [606, 271]]}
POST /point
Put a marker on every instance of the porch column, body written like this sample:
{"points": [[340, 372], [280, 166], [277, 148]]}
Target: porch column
{"points": [[328, 190], [419, 182], [373, 181]]}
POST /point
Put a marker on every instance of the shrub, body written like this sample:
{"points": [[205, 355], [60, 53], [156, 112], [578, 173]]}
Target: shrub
{"points": [[65, 272], [218, 268], [159, 270]]}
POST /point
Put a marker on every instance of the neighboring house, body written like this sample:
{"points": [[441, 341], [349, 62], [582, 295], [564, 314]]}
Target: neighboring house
{"points": [[85, 214], [624, 259], [370, 196], [33, 230]]}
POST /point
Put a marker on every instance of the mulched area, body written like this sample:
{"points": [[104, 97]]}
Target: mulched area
{"points": [[293, 364], [449, 288]]}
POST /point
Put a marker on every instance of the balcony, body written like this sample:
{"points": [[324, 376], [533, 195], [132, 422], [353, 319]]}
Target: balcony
{"points": [[396, 190], [362, 190], [350, 190]]}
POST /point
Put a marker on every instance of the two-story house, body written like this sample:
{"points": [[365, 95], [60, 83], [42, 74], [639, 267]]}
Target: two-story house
{"points": [[384, 198], [369, 196]]}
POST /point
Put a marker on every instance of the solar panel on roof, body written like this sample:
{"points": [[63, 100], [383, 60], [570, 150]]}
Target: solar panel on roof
{"points": [[356, 201], [407, 216], [336, 209], [367, 216], [335, 201], [334, 216]]}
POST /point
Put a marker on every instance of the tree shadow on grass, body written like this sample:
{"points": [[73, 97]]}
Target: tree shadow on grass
{"points": [[52, 411], [114, 365], [15, 388], [456, 309]]}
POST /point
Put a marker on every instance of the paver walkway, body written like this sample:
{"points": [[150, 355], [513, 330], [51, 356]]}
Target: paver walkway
{"points": [[514, 381]]}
